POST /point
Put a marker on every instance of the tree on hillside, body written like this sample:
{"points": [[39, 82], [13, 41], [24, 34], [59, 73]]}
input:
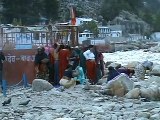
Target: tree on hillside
{"points": [[91, 26], [29, 11], [112, 8], [15, 9], [156, 23], [51, 9]]}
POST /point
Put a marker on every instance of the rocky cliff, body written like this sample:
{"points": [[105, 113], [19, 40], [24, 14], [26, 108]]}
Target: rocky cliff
{"points": [[91, 8], [85, 8]]}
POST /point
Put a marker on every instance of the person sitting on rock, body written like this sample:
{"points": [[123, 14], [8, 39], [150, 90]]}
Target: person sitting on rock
{"points": [[112, 73], [67, 80], [79, 75], [140, 69]]}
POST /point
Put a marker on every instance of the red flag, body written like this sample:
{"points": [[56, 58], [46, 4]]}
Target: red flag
{"points": [[73, 16]]}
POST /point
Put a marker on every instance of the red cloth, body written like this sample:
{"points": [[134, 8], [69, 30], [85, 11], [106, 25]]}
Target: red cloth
{"points": [[63, 61], [42, 68], [73, 16], [51, 55], [91, 70]]}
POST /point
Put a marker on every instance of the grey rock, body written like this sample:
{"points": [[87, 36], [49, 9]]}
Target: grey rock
{"points": [[24, 103], [144, 115], [133, 94], [155, 117], [41, 85], [6, 102]]}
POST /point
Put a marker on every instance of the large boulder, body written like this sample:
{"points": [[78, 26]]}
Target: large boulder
{"points": [[114, 64], [41, 85], [152, 93], [101, 81], [155, 48], [154, 80], [155, 70], [133, 94], [132, 64], [119, 86], [150, 88]]}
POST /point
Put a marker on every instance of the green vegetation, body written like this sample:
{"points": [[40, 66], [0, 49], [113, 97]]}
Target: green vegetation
{"points": [[91, 26], [148, 10], [29, 11]]}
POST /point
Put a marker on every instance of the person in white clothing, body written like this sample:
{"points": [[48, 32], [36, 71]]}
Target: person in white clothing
{"points": [[90, 64]]}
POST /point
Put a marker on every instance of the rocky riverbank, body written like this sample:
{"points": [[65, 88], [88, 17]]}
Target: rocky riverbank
{"points": [[75, 104], [78, 103]]}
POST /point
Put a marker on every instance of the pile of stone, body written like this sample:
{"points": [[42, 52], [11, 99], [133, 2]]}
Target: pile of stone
{"points": [[79, 103], [155, 48], [122, 98]]}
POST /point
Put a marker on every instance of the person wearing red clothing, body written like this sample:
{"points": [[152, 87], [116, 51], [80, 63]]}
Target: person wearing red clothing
{"points": [[51, 65], [90, 64], [64, 55]]}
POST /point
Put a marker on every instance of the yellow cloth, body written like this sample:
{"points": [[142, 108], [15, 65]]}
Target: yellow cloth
{"points": [[67, 83]]}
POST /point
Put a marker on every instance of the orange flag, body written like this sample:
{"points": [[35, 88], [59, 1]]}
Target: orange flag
{"points": [[73, 16]]}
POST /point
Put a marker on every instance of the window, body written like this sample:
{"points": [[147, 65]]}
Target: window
{"points": [[43, 35], [81, 22], [36, 35], [80, 35], [118, 34]]}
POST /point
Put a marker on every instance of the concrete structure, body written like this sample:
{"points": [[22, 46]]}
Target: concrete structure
{"points": [[155, 36], [23, 37], [80, 21], [94, 41], [135, 37], [112, 31], [84, 36], [101, 44]]}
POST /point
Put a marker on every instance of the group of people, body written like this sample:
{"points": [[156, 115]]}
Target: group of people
{"points": [[139, 71], [113, 72], [62, 61], [65, 62]]}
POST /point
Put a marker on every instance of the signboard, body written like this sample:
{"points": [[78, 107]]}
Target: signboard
{"points": [[23, 40], [17, 63]]}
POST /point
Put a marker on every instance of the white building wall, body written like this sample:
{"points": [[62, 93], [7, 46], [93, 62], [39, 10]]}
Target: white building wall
{"points": [[84, 36], [116, 34], [80, 21], [105, 31]]}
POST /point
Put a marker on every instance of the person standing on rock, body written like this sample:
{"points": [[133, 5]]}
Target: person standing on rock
{"points": [[90, 64], [141, 68], [82, 61], [2, 58], [64, 55], [100, 65], [41, 64]]}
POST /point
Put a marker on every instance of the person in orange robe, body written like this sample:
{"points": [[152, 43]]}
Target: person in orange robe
{"points": [[90, 64], [51, 66], [64, 55]]}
